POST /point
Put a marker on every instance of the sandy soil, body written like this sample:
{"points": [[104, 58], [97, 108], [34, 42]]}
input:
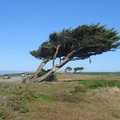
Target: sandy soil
{"points": [[12, 79]]}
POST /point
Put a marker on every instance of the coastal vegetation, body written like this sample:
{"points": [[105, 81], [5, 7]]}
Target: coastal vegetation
{"points": [[94, 96]]}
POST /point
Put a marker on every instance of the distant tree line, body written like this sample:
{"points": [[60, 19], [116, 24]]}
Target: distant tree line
{"points": [[75, 70]]}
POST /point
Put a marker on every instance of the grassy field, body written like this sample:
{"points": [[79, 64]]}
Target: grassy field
{"points": [[93, 98], [89, 76]]}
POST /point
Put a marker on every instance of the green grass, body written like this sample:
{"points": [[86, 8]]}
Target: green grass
{"points": [[99, 73], [100, 83], [76, 100], [43, 98]]}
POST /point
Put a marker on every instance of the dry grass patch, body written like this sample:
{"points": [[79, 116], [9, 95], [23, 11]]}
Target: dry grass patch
{"points": [[88, 76], [60, 101], [100, 104]]}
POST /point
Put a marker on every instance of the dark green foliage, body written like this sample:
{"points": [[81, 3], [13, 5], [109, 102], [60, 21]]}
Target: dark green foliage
{"points": [[85, 40], [67, 69], [52, 77], [74, 44], [78, 69], [100, 83], [43, 98]]}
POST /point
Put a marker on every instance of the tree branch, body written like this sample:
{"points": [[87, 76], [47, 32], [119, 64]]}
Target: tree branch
{"points": [[55, 67], [43, 63], [55, 55], [67, 59]]}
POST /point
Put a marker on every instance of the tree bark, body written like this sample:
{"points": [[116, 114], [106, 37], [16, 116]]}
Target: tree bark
{"points": [[54, 57], [40, 68], [55, 67], [42, 78]]}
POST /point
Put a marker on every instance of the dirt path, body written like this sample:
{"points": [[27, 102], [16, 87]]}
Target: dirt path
{"points": [[12, 79]]}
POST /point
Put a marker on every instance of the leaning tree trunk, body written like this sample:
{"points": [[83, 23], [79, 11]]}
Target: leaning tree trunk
{"points": [[40, 68], [55, 68], [42, 78]]}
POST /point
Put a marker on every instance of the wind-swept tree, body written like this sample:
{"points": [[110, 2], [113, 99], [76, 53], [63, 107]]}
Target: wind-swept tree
{"points": [[78, 69], [74, 44], [68, 69]]}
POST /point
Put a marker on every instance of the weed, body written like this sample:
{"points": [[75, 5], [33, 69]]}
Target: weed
{"points": [[77, 89], [42, 98]]}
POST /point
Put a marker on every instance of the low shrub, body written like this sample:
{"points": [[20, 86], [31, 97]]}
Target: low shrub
{"points": [[42, 98], [77, 89], [50, 78], [70, 98], [6, 113], [100, 83]]}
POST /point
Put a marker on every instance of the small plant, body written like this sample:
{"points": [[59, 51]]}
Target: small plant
{"points": [[43, 98], [5, 113], [19, 104], [77, 89], [24, 109], [1, 112]]}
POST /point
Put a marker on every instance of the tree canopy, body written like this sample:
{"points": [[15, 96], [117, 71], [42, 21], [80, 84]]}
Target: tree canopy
{"points": [[78, 69], [85, 40], [68, 69]]}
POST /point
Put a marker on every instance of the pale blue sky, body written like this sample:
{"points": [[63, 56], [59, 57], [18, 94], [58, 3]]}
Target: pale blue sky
{"points": [[25, 24]]}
